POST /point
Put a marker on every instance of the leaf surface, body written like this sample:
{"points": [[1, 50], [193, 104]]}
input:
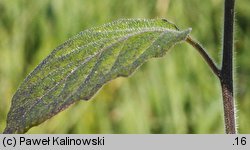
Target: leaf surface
{"points": [[78, 68]]}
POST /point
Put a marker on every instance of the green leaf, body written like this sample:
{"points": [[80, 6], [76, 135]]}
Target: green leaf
{"points": [[78, 68]]}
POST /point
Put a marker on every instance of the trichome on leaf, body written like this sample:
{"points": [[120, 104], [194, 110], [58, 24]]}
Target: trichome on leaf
{"points": [[78, 68]]}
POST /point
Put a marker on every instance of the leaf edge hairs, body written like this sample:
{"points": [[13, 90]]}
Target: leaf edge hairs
{"points": [[78, 68]]}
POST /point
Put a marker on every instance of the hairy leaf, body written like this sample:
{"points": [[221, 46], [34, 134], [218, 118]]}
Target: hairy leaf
{"points": [[78, 68]]}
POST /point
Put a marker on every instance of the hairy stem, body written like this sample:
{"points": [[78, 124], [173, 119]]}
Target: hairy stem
{"points": [[226, 73], [227, 68], [205, 55]]}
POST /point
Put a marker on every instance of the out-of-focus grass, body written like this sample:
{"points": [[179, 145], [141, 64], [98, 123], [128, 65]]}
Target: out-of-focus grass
{"points": [[175, 94]]}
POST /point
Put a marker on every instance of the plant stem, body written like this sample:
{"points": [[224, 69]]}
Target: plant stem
{"points": [[205, 55], [226, 73], [227, 68]]}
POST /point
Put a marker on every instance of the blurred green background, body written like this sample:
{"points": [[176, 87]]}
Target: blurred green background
{"points": [[174, 94]]}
